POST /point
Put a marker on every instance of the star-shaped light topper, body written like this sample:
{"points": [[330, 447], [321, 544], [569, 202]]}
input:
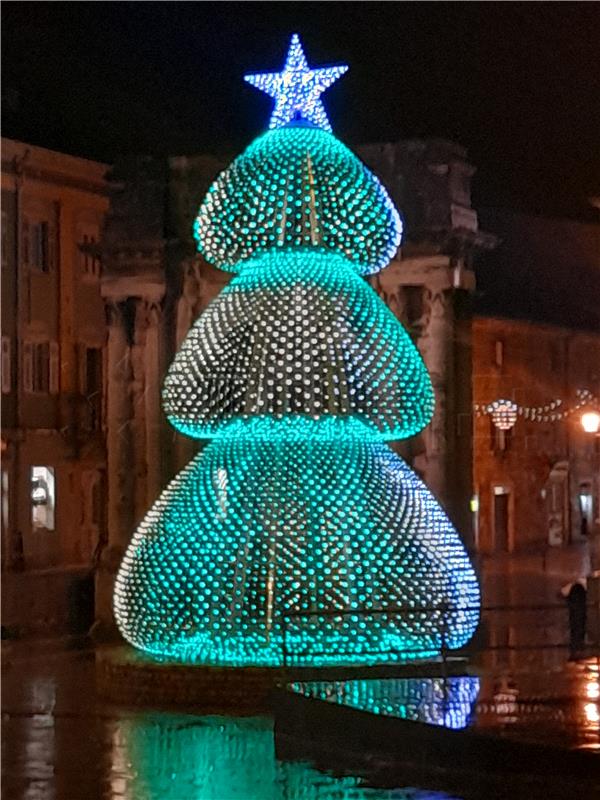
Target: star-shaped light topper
{"points": [[297, 88]]}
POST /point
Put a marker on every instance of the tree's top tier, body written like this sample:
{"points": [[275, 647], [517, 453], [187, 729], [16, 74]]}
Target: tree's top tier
{"points": [[298, 186]]}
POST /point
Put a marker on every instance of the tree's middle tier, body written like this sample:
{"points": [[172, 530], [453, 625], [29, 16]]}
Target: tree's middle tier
{"points": [[298, 333]]}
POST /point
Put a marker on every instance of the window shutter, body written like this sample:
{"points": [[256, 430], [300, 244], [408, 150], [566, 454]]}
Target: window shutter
{"points": [[28, 367], [6, 376], [54, 367], [52, 233], [25, 241]]}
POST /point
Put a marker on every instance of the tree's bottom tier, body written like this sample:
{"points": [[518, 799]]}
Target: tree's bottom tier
{"points": [[308, 553]]}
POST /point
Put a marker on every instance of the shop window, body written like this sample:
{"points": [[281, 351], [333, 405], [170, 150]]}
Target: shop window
{"points": [[586, 505], [43, 498]]}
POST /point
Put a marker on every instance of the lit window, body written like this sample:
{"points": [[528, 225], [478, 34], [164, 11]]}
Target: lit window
{"points": [[42, 498]]}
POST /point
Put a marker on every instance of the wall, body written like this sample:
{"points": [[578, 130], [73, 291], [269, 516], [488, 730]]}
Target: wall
{"points": [[55, 205], [532, 364]]}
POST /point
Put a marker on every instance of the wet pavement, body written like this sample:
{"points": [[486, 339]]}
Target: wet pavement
{"points": [[61, 742]]}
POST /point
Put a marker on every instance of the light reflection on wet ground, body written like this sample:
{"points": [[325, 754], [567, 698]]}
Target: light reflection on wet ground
{"points": [[60, 742], [561, 707]]}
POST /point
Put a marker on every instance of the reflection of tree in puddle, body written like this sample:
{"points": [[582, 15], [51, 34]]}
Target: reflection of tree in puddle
{"points": [[169, 757], [437, 701]]}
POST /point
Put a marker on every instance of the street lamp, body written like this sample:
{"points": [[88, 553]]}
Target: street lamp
{"points": [[590, 421]]}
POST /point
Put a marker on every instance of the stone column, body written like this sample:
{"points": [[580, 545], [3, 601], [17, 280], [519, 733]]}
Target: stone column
{"points": [[139, 388], [119, 456], [152, 401], [434, 345]]}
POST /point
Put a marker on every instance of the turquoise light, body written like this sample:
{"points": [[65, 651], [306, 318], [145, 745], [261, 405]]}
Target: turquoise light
{"points": [[299, 334], [299, 373], [257, 528], [298, 187]]}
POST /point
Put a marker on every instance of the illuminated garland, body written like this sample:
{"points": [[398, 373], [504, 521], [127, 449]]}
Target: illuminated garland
{"points": [[504, 413], [297, 509]]}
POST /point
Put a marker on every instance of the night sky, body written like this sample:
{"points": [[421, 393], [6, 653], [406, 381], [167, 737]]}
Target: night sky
{"points": [[517, 84]]}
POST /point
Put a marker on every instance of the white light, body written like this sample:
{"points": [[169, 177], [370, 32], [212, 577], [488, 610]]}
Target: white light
{"points": [[592, 690], [590, 421]]}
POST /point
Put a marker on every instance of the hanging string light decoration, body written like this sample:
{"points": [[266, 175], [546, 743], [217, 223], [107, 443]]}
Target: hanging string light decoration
{"points": [[506, 412], [298, 373]]}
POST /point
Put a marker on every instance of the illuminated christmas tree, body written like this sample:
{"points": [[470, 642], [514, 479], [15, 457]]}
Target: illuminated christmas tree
{"points": [[298, 373]]}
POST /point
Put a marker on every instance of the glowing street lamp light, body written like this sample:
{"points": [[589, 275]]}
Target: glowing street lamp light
{"points": [[590, 421]]}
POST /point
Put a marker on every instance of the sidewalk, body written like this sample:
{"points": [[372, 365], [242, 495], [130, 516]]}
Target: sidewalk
{"points": [[531, 578]]}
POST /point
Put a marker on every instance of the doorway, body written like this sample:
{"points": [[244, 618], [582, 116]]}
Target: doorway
{"points": [[501, 519]]}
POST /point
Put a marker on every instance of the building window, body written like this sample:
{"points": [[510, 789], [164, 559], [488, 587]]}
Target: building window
{"points": [[6, 365], [500, 439], [4, 242], [40, 367], [502, 540], [498, 353], [38, 245], [90, 263], [91, 384], [5, 500], [42, 498]]}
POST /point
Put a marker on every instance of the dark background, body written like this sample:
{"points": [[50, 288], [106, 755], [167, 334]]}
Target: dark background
{"points": [[518, 84]]}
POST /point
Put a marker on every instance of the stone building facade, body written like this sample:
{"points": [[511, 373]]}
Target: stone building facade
{"points": [[53, 337], [538, 483]]}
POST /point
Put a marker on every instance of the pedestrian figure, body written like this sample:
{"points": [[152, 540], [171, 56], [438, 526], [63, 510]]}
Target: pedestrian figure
{"points": [[576, 597]]}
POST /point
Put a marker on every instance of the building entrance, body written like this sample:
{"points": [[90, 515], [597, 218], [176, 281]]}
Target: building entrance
{"points": [[501, 519]]}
